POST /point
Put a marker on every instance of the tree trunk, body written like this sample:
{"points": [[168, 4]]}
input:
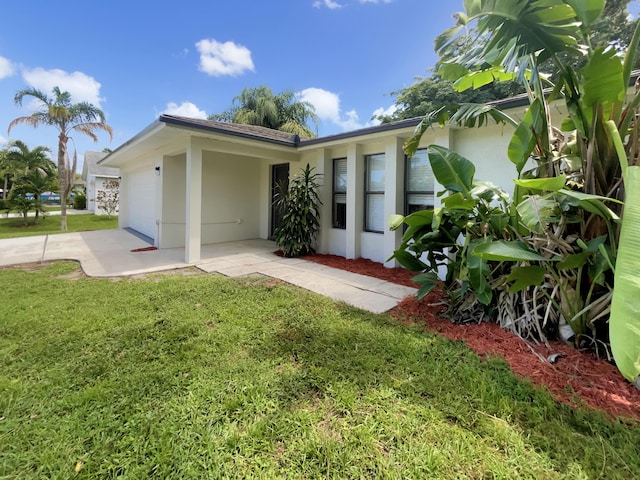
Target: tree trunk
{"points": [[37, 199], [62, 179]]}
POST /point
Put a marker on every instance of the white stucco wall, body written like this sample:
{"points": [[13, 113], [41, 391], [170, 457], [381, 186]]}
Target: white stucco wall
{"points": [[230, 198], [231, 187], [172, 221], [91, 193], [372, 247], [486, 147]]}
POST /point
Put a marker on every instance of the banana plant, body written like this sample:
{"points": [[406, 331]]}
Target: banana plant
{"points": [[514, 38], [624, 324], [446, 236], [567, 208]]}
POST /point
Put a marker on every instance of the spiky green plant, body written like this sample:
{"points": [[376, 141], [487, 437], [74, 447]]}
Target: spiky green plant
{"points": [[296, 236]]}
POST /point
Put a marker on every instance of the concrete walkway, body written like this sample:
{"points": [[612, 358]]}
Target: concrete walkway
{"points": [[108, 253]]}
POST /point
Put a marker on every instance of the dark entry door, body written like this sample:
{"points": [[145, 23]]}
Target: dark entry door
{"points": [[279, 174]]}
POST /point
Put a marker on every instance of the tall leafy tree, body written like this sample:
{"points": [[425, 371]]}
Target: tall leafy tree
{"points": [[66, 117], [432, 93], [260, 106]]}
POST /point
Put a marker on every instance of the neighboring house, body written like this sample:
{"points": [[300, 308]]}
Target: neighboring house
{"points": [[188, 182], [95, 177]]}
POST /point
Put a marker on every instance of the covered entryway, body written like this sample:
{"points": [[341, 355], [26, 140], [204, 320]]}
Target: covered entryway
{"points": [[141, 194], [188, 183]]}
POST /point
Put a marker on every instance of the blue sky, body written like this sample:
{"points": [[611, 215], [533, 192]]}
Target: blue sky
{"points": [[140, 58]]}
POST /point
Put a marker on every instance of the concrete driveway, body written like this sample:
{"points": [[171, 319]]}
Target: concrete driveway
{"points": [[108, 253]]}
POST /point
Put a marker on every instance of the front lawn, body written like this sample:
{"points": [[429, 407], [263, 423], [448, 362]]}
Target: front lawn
{"points": [[201, 376], [14, 227]]}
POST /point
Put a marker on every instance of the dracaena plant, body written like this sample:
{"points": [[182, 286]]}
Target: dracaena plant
{"points": [[300, 204]]}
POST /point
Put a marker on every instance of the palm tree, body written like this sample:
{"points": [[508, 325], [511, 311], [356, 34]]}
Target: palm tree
{"points": [[260, 106], [67, 117], [33, 171]]}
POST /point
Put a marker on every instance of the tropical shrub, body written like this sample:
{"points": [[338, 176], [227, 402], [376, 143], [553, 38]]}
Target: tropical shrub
{"points": [[79, 201], [33, 173], [550, 270], [296, 235], [23, 203]]}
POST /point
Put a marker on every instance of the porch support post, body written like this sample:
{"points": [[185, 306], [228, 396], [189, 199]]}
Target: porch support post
{"points": [[324, 167], [393, 201], [355, 200], [193, 227]]}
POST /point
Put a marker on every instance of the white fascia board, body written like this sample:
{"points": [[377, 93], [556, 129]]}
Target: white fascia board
{"points": [[119, 156]]}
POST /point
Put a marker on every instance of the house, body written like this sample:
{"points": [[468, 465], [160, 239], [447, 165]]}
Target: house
{"points": [[188, 182], [95, 178]]}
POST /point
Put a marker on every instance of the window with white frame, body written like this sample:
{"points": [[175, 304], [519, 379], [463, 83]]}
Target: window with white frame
{"points": [[374, 193], [339, 193], [419, 182]]}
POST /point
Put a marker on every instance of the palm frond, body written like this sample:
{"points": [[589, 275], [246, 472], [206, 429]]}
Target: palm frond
{"points": [[31, 120], [296, 128], [476, 115], [90, 128], [31, 92]]}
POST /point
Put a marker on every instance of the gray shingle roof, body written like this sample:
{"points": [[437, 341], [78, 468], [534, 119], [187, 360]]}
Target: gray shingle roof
{"points": [[247, 131], [91, 166], [276, 136]]}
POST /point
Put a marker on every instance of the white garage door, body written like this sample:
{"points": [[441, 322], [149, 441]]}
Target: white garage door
{"points": [[142, 201]]}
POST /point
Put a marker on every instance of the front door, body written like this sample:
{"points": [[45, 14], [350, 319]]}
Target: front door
{"points": [[279, 175]]}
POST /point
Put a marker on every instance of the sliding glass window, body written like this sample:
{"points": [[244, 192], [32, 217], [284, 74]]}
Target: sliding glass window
{"points": [[419, 183], [374, 193]]}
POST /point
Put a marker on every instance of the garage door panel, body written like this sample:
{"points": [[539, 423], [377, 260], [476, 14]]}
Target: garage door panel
{"points": [[142, 197]]}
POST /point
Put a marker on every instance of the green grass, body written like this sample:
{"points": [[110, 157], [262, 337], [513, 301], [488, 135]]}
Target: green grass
{"points": [[201, 376], [14, 227]]}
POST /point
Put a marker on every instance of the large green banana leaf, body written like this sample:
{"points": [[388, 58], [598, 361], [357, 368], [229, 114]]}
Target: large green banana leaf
{"points": [[624, 323], [452, 170]]}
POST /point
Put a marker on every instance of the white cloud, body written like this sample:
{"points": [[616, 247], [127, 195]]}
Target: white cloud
{"points": [[185, 109], [330, 4], [351, 122], [3, 140], [6, 68], [219, 59], [82, 87], [327, 105], [384, 112]]}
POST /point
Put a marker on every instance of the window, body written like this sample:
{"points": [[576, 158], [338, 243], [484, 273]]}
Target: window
{"points": [[374, 193], [419, 183], [340, 193]]}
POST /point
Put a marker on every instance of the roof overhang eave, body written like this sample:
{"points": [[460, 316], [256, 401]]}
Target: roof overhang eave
{"points": [[115, 158]]}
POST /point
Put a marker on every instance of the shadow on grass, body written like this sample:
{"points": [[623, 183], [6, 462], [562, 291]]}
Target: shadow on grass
{"points": [[369, 353]]}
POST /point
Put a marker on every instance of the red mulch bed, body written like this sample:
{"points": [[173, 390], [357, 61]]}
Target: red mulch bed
{"points": [[576, 378]]}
